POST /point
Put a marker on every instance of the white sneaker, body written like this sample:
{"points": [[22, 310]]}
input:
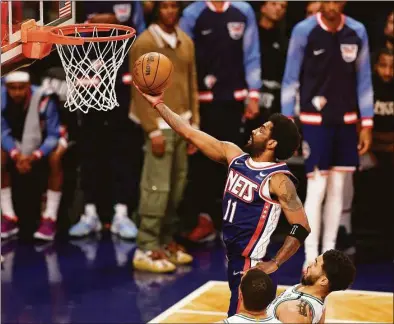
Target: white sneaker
{"points": [[124, 227], [85, 226]]}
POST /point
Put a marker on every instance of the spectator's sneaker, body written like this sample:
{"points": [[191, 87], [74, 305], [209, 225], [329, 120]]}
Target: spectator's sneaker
{"points": [[124, 227], [85, 226], [152, 261], [204, 232], [46, 230], [8, 226], [177, 254]]}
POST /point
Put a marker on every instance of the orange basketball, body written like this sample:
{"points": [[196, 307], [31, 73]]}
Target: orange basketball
{"points": [[152, 73]]}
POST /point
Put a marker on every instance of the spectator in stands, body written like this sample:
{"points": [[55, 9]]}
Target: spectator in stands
{"points": [[110, 135], [334, 79], [30, 133], [226, 39], [165, 164], [312, 8], [383, 83], [273, 48]]}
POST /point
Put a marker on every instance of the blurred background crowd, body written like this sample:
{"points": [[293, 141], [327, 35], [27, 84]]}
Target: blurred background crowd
{"points": [[125, 171]]}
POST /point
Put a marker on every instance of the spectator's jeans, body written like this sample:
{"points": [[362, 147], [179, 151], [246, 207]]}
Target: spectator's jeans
{"points": [[162, 184]]}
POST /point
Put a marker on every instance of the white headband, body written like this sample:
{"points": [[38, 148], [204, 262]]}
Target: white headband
{"points": [[17, 76]]}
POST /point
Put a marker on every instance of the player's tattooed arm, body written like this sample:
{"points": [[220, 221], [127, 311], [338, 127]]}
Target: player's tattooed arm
{"points": [[294, 311], [282, 187], [222, 152]]}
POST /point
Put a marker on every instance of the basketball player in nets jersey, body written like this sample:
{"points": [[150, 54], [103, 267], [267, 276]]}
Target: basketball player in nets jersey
{"points": [[256, 190], [306, 302]]}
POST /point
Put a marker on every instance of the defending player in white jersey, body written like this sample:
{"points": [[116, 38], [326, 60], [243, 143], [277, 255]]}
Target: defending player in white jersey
{"points": [[256, 291], [305, 302]]}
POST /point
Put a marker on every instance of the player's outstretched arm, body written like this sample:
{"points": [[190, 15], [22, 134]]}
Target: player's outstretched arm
{"points": [[294, 311], [222, 152], [283, 188]]}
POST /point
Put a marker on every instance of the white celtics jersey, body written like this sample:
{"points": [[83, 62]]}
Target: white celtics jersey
{"points": [[240, 318], [317, 305]]}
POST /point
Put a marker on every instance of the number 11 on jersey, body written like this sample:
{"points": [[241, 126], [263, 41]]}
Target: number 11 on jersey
{"points": [[230, 211]]}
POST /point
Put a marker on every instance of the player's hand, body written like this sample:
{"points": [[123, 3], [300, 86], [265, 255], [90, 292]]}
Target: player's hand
{"points": [[268, 267], [364, 140], [158, 145], [252, 109], [153, 100]]}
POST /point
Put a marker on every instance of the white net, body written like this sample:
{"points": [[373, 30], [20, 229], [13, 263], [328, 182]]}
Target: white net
{"points": [[91, 69]]}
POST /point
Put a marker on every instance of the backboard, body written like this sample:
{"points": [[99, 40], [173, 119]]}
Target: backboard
{"points": [[14, 13]]}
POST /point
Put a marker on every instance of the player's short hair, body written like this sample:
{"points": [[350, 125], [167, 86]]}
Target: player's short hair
{"points": [[257, 290], [339, 270], [285, 132]]}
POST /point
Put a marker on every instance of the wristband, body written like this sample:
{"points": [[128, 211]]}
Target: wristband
{"points": [[276, 262], [156, 103]]}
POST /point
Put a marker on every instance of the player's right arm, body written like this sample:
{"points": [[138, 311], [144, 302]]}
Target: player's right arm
{"points": [[294, 311], [222, 152]]}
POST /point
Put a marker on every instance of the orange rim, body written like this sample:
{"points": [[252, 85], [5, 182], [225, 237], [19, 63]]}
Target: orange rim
{"points": [[64, 38]]}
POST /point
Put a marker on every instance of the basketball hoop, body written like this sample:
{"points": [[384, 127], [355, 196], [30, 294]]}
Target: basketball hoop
{"points": [[90, 60]]}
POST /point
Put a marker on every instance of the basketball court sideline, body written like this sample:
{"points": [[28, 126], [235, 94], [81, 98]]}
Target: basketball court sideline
{"points": [[209, 303]]}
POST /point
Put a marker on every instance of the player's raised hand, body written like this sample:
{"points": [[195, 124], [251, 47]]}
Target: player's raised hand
{"points": [[152, 99]]}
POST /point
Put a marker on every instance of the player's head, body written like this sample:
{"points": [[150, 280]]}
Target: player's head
{"points": [[331, 10], [384, 64], [166, 13], [18, 85], [256, 290], [332, 271], [312, 8], [273, 10], [279, 135]]}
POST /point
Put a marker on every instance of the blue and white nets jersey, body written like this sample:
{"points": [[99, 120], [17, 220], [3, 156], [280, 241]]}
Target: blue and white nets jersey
{"points": [[250, 214], [240, 318], [316, 305]]}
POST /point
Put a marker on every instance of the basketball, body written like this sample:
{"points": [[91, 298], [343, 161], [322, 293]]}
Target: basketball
{"points": [[152, 73]]}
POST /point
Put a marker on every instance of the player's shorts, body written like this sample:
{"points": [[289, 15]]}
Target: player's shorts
{"points": [[234, 273], [330, 147]]}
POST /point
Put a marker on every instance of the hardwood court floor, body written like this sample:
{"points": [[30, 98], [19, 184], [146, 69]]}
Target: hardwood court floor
{"points": [[209, 304]]}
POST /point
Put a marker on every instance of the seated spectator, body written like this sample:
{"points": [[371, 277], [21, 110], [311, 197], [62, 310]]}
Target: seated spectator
{"points": [[30, 133]]}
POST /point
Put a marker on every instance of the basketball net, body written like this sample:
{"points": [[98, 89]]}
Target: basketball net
{"points": [[91, 70], [91, 55]]}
